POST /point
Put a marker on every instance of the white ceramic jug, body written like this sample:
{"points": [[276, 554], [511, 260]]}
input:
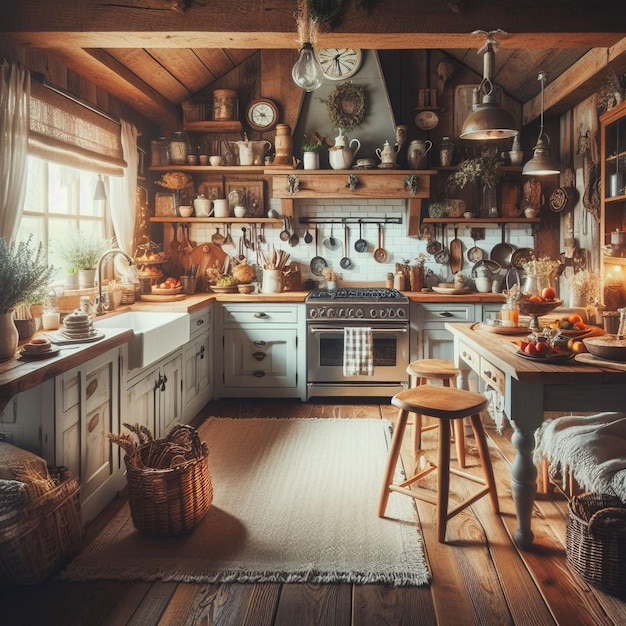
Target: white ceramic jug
{"points": [[341, 157], [202, 206], [387, 155]]}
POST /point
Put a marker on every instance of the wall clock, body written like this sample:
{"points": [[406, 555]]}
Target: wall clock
{"points": [[262, 114], [339, 63]]}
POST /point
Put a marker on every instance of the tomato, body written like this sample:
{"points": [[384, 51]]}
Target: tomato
{"points": [[530, 349], [548, 293], [543, 349]]}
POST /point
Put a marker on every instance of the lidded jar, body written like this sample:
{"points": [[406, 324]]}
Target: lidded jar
{"points": [[446, 152], [179, 147], [283, 144]]}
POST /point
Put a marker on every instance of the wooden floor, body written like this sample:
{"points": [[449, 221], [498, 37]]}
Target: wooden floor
{"points": [[479, 577]]}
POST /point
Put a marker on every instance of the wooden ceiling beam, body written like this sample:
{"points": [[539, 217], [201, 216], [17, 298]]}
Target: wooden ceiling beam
{"points": [[585, 77]]}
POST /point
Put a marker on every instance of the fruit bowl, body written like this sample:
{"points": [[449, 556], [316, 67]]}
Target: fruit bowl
{"points": [[537, 309], [608, 347], [159, 291]]}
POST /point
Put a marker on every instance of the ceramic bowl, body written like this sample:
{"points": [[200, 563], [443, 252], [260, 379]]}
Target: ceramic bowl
{"points": [[608, 347], [530, 213], [239, 211], [185, 211], [215, 160], [245, 288], [468, 215]]}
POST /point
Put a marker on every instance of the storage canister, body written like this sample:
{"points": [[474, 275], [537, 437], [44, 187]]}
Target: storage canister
{"points": [[160, 151], [224, 105], [179, 148], [283, 145]]}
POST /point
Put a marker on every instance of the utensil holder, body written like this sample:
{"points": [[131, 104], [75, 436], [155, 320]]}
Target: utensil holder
{"points": [[272, 281]]}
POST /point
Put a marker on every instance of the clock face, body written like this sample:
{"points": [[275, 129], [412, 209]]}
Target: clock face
{"points": [[262, 114], [339, 63]]}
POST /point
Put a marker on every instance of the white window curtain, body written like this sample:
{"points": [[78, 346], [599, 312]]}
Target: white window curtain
{"points": [[14, 122], [123, 191]]}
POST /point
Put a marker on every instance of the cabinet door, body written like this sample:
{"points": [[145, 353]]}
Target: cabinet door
{"points": [[196, 376], [437, 344], [170, 395], [260, 358], [141, 401]]}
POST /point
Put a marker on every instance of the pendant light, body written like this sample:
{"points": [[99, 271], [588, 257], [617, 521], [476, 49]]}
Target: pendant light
{"points": [[488, 120], [306, 72], [99, 195], [542, 163]]}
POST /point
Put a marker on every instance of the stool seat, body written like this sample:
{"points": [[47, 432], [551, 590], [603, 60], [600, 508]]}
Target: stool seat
{"points": [[440, 369], [445, 404]]}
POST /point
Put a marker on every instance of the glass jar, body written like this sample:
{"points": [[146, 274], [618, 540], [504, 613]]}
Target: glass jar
{"points": [[446, 152], [160, 151], [178, 148], [51, 317], [509, 314]]}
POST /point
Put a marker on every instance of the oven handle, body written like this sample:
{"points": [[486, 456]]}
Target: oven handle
{"points": [[326, 329]]}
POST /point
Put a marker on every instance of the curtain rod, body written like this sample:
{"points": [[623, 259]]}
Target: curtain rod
{"points": [[41, 79]]}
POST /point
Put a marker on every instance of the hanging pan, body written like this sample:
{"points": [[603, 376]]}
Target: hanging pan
{"points": [[502, 252], [360, 245], [475, 254], [434, 246], [318, 263]]}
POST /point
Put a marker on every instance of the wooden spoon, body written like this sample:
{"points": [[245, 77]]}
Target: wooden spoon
{"points": [[380, 254]]}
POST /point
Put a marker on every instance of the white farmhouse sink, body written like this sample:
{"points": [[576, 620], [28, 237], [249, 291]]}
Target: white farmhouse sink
{"points": [[155, 334]]}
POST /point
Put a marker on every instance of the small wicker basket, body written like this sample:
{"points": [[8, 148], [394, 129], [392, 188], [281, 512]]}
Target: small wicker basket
{"points": [[596, 541], [169, 484]]}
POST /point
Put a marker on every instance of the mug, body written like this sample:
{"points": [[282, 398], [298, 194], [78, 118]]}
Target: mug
{"points": [[216, 160], [221, 208]]}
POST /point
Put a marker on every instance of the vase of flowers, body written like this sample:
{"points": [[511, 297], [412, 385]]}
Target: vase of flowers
{"points": [[81, 252], [311, 155], [23, 271], [583, 288]]}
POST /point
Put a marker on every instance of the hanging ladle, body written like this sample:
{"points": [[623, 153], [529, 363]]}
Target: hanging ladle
{"points": [[330, 242], [284, 233], [294, 240], [308, 237], [360, 245], [345, 262]]}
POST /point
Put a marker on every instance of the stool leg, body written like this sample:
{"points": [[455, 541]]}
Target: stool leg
{"points": [[459, 440], [417, 434], [485, 460], [443, 479], [392, 460]]}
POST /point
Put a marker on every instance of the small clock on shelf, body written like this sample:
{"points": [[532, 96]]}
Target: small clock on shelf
{"points": [[262, 114], [339, 63]]}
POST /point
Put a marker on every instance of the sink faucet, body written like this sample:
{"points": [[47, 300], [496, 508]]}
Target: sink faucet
{"points": [[100, 308]]}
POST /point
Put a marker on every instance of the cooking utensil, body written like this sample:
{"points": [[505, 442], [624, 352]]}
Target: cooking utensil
{"points": [[318, 263], [492, 265], [456, 253], [308, 237], [475, 254], [294, 240], [434, 246], [521, 256], [502, 252], [380, 254], [345, 262], [360, 245], [284, 233], [229, 239], [330, 242]]}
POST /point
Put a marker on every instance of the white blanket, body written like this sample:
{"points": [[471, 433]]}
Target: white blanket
{"points": [[591, 448]]}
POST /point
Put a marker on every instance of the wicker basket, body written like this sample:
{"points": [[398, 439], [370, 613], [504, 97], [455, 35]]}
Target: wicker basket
{"points": [[169, 485], [596, 541], [38, 536]]}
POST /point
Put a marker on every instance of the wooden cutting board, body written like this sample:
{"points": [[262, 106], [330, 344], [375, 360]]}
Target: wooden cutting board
{"points": [[456, 254], [204, 256], [589, 359]]}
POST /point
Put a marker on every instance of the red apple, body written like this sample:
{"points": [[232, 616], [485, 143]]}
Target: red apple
{"points": [[548, 293], [530, 349]]}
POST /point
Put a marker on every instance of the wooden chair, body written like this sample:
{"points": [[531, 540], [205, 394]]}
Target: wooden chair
{"points": [[445, 404], [422, 372]]}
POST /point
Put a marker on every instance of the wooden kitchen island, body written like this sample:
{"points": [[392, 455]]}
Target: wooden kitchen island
{"points": [[529, 388]]}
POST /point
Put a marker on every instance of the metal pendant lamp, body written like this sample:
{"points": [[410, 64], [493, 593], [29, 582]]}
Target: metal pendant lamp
{"points": [[542, 164], [488, 120]]}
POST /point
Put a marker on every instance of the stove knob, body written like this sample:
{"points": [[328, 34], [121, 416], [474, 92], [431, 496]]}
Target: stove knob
{"points": [[341, 312], [392, 313], [373, 313], [313, 313], [331, 313], [359, 312], [401, 313], [349, 312], [323, 311], [383, 313]]}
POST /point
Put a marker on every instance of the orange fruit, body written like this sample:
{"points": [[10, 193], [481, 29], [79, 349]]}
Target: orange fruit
{"points": [[574, 318], [535, 299]]}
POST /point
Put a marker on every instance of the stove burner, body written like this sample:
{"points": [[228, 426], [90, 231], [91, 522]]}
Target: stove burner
{"points": [[357, 293]]}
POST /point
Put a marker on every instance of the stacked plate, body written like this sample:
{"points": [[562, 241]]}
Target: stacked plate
{"points": [[77, 325]]}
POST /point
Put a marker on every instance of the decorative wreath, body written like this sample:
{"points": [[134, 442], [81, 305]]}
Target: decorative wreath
{"points": [[346, 106]]}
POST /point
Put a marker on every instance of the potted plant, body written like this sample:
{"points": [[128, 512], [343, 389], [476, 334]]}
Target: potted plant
{"points": [[81, 253], [311, 154], [484, 171], [23, 271]]}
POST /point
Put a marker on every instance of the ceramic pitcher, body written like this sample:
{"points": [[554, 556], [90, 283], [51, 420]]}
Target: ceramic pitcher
{"points": [[387, 155], [417, 154]]}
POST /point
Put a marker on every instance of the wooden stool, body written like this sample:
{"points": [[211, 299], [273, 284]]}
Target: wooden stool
{"points": [[445, 404], [423, 371]]}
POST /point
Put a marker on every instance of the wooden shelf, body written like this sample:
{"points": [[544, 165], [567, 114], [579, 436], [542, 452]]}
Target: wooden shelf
{"points": [[482, 220], [453, 168], [233, 126], [215, 220], [614, 260], [611, 199], [213, 169]]}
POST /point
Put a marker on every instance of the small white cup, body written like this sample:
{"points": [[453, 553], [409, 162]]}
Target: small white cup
{"points": [[185, 210], [239, 211], [216, 160], [221, 208]]}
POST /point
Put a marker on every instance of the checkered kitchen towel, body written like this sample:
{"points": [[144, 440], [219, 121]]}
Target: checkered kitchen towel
{"points": [[358, 351]]}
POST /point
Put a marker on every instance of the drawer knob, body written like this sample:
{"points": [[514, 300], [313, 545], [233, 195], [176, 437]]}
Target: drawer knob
{"points": [[259, 356], [446, 314], [259, 373], [259, 344], [261, 315]]}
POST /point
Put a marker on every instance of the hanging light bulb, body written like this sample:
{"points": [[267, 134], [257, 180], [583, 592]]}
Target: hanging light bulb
{"points": [[306, 71], [488, 120], [542, 163]]}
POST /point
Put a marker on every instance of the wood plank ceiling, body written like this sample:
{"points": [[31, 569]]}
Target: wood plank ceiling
{"points": [[155, 54]]}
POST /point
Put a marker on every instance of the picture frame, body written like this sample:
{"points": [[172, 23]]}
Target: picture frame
{"points": [[249, 194], [211, 188], [164, 204]]}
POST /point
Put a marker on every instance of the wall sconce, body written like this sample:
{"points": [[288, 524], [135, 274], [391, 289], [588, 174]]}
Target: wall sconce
{"points": [[542, 163], [99, 194], [306, 72], [488, 120]]}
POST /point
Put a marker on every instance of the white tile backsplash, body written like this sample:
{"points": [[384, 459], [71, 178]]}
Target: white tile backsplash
{"points": [[364, 268]]}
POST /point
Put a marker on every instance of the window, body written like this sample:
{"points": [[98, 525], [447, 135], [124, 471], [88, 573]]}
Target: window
{"points": [[59, 200]]}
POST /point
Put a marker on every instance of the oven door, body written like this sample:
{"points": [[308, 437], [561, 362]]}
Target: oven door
{"points": [[325, 351]]}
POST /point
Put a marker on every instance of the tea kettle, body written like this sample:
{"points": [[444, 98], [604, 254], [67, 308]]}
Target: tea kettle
{"points": [[251, 152], [387, 155], [340, 156]]}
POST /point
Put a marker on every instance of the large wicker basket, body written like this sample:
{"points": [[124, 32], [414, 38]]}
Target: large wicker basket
{"points": [[169, 485], [596, 541], [38, 535]]}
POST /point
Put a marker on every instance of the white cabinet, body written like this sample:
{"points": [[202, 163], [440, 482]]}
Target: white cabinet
{"points": [[154, 397], [197, 365], [86, 411], [261, 351]]}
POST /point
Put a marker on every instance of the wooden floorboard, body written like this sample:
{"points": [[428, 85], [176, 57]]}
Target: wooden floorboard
{"points": [[479, 575]]}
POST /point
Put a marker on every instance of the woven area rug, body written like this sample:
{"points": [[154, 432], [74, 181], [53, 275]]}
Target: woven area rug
{"points": [[295, 500]]}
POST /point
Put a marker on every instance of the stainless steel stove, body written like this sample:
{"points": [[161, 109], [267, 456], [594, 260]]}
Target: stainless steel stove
{"points": [[328, 314]]}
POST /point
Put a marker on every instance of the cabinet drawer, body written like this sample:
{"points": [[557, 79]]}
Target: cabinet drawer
{"points": [[259, 314], [446, 313], [492, 375], [199, 322], [469, 356]]}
